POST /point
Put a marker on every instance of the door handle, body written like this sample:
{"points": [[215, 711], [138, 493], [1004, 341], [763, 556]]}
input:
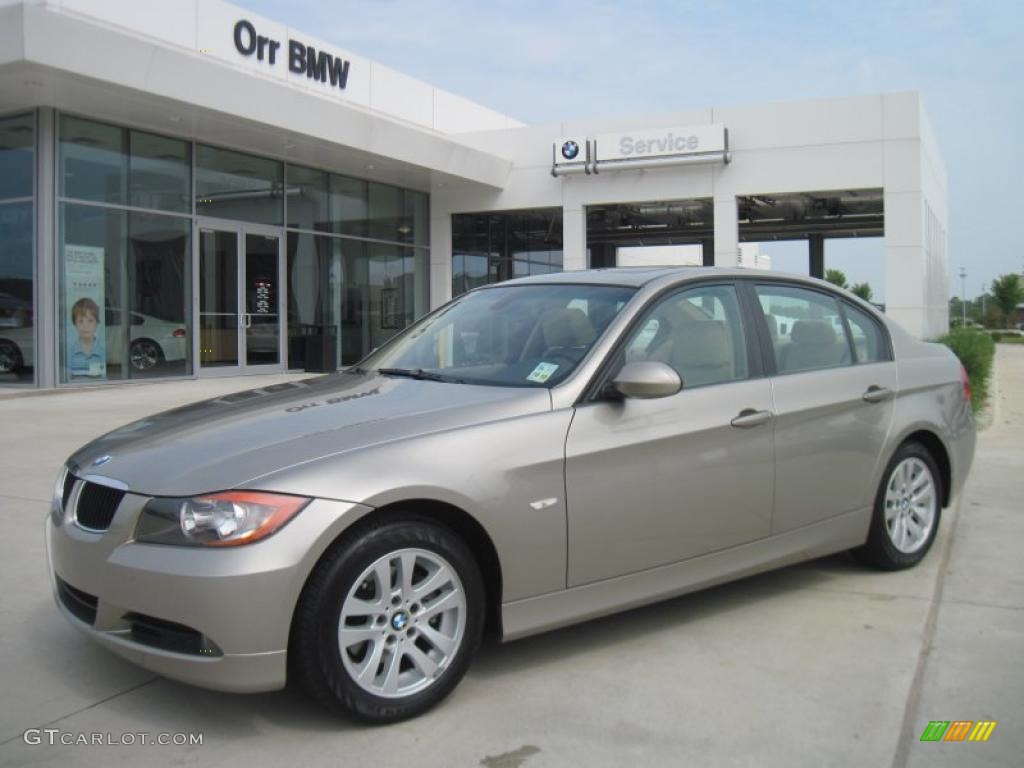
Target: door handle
{"points": [[876, 394], [750, 418]]}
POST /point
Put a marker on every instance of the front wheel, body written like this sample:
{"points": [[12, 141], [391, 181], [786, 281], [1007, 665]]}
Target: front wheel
{"points": [[907, 510], [389, 621]]}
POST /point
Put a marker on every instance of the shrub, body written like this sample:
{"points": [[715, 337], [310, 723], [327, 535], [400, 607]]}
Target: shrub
{"points": [[976, 351]]}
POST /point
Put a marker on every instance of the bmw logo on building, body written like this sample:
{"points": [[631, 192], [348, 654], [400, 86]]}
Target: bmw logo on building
{"points": [[570, 149]]}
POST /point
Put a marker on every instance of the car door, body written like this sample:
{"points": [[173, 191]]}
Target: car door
{"points": [[655, 481], [833, 383]]}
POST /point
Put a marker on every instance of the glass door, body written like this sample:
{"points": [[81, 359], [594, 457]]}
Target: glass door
{"points": [[239, 299], [261, 316]]}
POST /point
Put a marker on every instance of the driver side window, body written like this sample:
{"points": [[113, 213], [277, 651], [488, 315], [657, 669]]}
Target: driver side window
{"points": [[698, 332]]}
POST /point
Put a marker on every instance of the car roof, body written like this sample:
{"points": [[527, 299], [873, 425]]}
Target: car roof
{"points": [[636, 277]]}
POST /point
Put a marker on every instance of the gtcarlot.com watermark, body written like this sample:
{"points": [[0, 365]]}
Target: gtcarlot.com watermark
{"points": [[55, 736]]}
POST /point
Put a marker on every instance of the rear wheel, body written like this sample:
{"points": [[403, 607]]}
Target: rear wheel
{"points": [[145, 354], [388, 622], [907, 510]]}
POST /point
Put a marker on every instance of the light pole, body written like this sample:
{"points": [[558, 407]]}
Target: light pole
{"points": [[963, 297], [984, 287]]}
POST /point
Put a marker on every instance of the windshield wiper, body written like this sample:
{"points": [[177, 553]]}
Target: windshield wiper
{"points": [[419, 373]]}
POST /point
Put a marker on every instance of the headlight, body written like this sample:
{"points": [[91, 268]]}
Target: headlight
{"points": [[57, 504], [218, 519]]}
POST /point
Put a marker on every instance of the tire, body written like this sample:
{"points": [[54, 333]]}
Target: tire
{"points": [[905, 521], [145, 354], [378, 660], [10, 357]]}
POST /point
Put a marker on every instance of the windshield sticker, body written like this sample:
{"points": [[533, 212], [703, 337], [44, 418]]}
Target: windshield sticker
{"points": [[542, 372]]}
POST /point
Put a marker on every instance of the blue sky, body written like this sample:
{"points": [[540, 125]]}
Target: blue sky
{"points": [[554, 60]]}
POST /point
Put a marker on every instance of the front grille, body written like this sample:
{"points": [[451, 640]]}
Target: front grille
{"points": [[169, 636], [69, 484], [81, 604], [96, 506]]}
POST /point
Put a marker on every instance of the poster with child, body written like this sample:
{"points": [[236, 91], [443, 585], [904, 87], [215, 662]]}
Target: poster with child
{"points": [[86, 355]]}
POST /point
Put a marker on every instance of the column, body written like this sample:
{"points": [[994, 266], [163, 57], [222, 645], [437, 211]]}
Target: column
{"points": [[440, 255], [816, 255], [574, 239], [707, 251], [46, 301], [726, 240]]}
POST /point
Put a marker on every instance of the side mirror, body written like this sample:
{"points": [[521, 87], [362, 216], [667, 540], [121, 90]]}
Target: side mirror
{"points": [[647, 379]]}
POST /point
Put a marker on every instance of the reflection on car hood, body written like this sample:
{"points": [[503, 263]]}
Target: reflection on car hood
{"points": [[232, 441]]}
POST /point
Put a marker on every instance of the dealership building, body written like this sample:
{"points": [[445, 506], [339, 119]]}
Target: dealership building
{"points": [[188, 189]]}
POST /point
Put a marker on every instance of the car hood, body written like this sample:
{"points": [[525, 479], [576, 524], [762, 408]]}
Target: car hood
{"points": [[236, 440]]}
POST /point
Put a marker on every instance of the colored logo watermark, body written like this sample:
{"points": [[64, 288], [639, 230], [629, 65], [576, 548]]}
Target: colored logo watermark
{"points": [[958, 730]]}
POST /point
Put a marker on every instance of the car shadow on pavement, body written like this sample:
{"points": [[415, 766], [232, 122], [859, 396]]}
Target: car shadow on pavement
{"points": [[164, 705], [497, 659]]}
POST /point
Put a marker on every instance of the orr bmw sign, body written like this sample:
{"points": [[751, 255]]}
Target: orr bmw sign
{"points": [[641, 149], [302, 59]]}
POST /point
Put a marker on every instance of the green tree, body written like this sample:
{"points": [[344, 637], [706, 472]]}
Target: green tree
{"points": [[863, 290], [836, 277], [1007, 293]]}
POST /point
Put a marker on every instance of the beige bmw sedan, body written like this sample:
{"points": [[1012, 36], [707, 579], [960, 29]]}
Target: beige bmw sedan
{"points": [[533, 454]]}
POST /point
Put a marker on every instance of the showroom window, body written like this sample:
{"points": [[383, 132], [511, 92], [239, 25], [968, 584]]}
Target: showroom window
{"points": [[234, 185], [492, 247], [356, 258], [124, 265], [358, 265], [17, 309]]}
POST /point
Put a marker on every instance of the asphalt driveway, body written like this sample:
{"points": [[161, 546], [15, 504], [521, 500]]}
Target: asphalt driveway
{"points": [[819, 664]]}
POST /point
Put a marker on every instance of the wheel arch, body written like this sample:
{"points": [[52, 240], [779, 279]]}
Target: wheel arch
{"points": [[939, 453], [442, 513]]}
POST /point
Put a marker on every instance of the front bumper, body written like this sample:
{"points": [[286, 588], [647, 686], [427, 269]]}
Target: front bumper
{"points": [[215, 618]]}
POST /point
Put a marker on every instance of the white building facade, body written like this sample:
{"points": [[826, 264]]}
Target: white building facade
{"points": [[189, 189]]}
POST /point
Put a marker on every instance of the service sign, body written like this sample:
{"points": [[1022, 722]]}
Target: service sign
{"points": [[661, 142]]}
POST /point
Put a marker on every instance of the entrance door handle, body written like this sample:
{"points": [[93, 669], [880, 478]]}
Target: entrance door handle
{"points": [[750, 418], [877, 394]]}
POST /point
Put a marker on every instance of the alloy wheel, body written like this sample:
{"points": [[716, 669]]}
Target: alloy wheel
{"points": [[910, 505], [402, 623]]}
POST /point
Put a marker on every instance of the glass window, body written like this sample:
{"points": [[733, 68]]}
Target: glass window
{"points": [[17, 143], [125, 285], [160, 172], [385, 209], [107, 164], [233, 185], [17, 315], [308, 199], [518, 336], [93, 161], [158, 332], [348, 206], [417, 217], [699, 332], [314, 295], [493, 247], [867, 338], [806, 328]]}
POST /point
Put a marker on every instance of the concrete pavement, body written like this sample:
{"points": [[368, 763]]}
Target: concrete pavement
{"points": [[820, 664]]}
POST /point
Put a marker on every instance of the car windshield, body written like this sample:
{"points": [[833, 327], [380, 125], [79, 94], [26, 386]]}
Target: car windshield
{"points": [[512, 336]]}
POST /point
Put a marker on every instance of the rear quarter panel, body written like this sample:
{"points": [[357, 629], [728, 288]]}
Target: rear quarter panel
{"points": [[931, 399]]}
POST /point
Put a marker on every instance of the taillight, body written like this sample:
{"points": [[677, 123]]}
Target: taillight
{"points": [[179, 333], [965, 380]]}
